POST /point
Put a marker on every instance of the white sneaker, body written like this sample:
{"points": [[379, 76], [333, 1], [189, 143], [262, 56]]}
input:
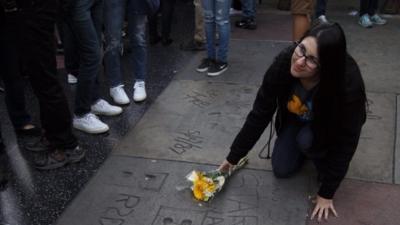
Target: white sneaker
{"points": [[72, 79], [90, 123], [118, 95], [323, 19], [101, 107], [139, 91]]}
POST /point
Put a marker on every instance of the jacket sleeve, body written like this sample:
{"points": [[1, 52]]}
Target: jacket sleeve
{"points": [[337, 160], [259, 117]]}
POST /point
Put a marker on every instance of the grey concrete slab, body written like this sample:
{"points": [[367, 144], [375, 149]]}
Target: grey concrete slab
{"points": [[397, 147], [362, 203], [194, 121], [373, 160], [248, 62], [129, 190], [376, 50]]}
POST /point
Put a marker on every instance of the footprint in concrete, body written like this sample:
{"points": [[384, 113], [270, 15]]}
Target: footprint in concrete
{"points": [[168, 221]]}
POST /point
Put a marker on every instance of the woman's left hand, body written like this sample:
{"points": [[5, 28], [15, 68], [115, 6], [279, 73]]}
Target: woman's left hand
{"points": [[322, 208]]}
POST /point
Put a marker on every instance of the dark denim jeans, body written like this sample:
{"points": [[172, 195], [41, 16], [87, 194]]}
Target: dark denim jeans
{"points": [[71, 49], [216, 15], [287, 156], [320, 8], [167, 11], [368, 6], [114, 15], [85, 17], [249, 8]]}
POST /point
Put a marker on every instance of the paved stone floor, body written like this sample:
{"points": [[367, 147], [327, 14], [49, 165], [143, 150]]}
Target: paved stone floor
{"points": [[135, 173]]}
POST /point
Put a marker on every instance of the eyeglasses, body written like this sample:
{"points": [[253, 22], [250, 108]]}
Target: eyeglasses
{"points": [[311, 61]]}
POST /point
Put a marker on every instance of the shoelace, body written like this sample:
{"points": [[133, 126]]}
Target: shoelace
{"points": [[139, 85]]}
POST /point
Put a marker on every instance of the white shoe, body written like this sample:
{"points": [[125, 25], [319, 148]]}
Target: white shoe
{"points": [[323, 19], [139, 91], [101, 107], [90, 123], [118, 95], [72, 79]]}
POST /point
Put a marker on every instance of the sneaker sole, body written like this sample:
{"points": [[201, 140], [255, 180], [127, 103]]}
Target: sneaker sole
{"points": [[92, 131], [216, 73], [106, 114], [202, 70], [140, 99], [365, 26]]}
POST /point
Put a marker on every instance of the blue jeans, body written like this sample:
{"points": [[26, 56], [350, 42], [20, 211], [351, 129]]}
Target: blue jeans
{"points": [[287, 156], [368, 6], [249, 9], [320, 8], [216, 15], [85, 18], [114, 15]]}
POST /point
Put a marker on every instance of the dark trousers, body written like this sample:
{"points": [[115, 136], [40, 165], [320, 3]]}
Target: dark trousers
{"points": [[85, 18], [368, 6], [320, 8], [167, 11], [36, 47], [10, 65], [287, 156]]}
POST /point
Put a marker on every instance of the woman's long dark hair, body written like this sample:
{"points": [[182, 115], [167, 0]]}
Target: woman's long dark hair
{"points": [[332, 54]]}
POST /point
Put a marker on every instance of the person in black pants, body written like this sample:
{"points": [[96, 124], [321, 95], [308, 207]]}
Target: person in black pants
{"points": [[167, 11], [34, 32], [3, 169]]}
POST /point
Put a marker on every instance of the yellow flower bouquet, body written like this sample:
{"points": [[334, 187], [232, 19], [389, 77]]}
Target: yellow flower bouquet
{"points": [[205, 185]]}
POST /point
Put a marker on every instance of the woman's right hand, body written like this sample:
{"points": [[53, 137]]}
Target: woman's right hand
{"points": [[225, 167]]}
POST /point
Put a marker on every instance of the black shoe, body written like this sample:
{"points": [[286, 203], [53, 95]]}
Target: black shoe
{"points": [[204, 65], [52, 160], [59, 158], [75, 155], [217, 68], [193, 46], [154, 40], [166, 41], [40, 145], [247, 23], [35, 131]]}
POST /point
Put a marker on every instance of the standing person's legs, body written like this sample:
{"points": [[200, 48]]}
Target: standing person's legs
{"points": [[224, 28], [166, 20], [249, 15], [364, 7], [13, 81], [39, 55], [301, 13], [320, 9], [89, 51], [373, 7], [138, 57], [71, 53], [199, 34], [114, 13], [210, 27]]}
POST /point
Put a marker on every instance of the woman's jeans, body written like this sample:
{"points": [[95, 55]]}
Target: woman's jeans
{"points": [[287, 156], [216, 16], [85, 18], [114, 15]]}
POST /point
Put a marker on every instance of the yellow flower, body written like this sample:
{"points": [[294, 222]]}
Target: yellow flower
{"points": [[203, 187]]}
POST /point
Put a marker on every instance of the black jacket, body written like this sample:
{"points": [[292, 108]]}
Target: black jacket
{"points": [[336, 134]]}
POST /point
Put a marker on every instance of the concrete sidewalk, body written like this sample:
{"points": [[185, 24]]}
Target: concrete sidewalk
{"points": [[193, 122]]}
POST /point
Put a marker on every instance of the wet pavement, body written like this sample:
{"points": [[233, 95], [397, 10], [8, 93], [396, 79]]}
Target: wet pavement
{"points": [[189, 122]]}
